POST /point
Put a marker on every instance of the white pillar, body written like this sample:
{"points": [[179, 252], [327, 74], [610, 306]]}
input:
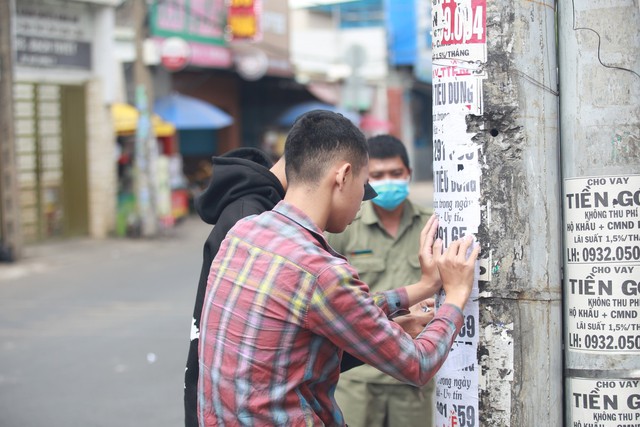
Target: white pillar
{"points": [[600, 133]]}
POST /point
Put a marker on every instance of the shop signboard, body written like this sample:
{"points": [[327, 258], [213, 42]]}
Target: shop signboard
{"points": [[53, 35], [201, 23], [401, 29]]}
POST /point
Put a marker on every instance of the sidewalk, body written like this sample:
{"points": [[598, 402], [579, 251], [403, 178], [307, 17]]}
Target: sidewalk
{"points": [[98, 329], [67, 253], [41, 257]]}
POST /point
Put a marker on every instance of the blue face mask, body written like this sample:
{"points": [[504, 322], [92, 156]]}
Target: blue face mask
{"points": [[391, 192]]}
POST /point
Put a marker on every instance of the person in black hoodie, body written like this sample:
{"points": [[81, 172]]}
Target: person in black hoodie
{"points": [[244, 182]]}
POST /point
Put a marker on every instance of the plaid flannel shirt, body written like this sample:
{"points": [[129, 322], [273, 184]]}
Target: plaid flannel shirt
{"points": [[281, 306]]}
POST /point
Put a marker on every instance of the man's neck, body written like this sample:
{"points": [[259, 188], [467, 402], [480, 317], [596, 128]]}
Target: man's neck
{"points": [[313, 202], [278, 170]]}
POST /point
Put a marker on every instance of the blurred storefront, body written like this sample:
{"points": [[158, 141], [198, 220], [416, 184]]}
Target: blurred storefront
{"points": [[231, 55], [62, 125], [171, 187], [376, 54], [408, 24]]}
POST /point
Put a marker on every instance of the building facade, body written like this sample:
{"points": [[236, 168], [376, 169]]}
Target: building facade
{"points": [[63, 138]]}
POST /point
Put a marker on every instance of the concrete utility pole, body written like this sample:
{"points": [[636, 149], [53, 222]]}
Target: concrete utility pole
{"points": [[496, 175], [146, 149], [599, 44], [9, 198]]}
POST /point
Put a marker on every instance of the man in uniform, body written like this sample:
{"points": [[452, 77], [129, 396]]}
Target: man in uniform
{"points": [[382, 244]]}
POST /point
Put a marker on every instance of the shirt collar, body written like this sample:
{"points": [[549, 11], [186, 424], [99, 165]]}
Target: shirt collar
{"points": [[369, 217], [296, 215]]}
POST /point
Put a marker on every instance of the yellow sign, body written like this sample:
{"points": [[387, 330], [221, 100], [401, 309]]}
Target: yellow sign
{"points": [[243, 26]]}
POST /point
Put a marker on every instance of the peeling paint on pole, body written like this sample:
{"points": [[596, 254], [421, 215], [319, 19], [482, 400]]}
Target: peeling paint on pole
{"points": [[520, 382]]}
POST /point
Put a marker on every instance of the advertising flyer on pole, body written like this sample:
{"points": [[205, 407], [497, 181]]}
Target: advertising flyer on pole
{"points": [[602, 240], [459, 47], [602, 279]]}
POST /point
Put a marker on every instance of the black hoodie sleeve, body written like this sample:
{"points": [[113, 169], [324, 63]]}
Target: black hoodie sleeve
{"points": [[348, 361]]}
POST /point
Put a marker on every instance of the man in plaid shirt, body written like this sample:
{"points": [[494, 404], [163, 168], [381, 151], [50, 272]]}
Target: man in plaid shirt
{"points": [[282, 306]]}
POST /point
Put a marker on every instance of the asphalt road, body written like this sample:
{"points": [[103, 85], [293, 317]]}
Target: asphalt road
{"points": [[95, 333]]}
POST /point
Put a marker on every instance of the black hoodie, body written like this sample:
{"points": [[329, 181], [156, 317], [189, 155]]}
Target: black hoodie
{"points": [[241, 185]]}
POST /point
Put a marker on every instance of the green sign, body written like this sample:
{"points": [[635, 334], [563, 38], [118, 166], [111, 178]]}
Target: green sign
{"points": [[201, 21]]}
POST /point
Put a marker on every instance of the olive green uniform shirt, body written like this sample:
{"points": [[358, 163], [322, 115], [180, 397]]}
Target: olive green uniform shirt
{"points": [[383, 262]]}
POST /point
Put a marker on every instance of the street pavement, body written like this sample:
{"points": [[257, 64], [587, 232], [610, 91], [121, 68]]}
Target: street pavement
{"points": [[95, 333]]}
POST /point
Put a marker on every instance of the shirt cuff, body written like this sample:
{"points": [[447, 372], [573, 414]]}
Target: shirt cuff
{"points": [[397, 299], [452, 313]]}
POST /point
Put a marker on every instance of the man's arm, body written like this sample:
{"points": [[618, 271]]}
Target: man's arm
{"points": [[344, 312], [228, 218]]}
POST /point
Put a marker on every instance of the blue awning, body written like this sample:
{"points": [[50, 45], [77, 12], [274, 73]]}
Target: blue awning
{"points": [[187, 113], [289, 116]]}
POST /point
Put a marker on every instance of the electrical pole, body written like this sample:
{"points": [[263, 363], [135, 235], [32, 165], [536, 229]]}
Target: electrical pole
{"points": [[146, 148], [496, 175], [10, 234], [600, 133]]}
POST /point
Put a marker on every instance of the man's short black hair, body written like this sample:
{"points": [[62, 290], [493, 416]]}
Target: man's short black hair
{"points": [[317, 139], [387, 146]]}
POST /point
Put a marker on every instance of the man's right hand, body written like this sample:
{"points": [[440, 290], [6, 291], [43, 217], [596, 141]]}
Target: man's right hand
{"points": [[451, 270], [457, 270]]}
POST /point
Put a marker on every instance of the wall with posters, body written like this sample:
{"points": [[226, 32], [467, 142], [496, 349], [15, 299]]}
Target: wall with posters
{"points": [[600, 132]]}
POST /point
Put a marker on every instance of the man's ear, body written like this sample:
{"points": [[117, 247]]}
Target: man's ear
{"points": [[343, 173]]}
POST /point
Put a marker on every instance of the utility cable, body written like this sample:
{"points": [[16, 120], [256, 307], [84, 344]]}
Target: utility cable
{"points": [[599, 43]]}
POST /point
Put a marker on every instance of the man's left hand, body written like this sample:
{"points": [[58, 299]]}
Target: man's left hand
{"points": [[419, 316]]}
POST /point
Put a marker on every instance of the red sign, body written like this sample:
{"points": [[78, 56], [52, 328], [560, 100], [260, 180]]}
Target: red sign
{"points": [[464, 24], [174, 53]]}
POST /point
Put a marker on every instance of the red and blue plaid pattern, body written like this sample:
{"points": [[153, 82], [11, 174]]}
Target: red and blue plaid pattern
{"points": [[281, 307]]}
